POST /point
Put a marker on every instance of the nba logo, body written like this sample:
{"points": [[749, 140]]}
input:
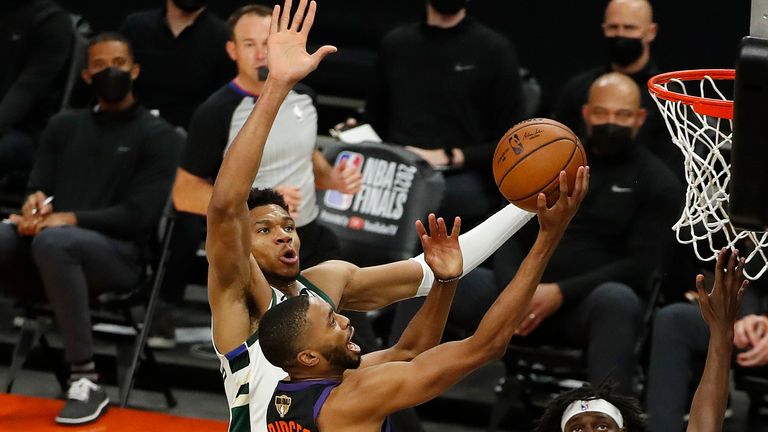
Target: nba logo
{"points": [[335, 199]]}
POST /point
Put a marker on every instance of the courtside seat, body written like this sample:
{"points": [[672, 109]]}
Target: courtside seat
{"points": [[114, 315]]}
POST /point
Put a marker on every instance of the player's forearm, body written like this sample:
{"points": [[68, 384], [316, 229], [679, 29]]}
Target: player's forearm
{"points": [[502, 319], [709, 402], [480, 242], [426, 327], [242, 160]]}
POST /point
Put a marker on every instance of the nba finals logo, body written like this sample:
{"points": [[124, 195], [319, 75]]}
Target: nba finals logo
{"points": [[282, 404]]}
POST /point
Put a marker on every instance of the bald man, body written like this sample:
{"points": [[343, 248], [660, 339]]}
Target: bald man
{"points": [[629, 30], [592, 291]]}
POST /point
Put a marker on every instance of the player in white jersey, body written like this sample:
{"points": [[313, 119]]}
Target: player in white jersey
{"points": [[252, 246]]}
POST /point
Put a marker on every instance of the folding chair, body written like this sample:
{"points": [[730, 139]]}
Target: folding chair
{"points": [[115, 309]]}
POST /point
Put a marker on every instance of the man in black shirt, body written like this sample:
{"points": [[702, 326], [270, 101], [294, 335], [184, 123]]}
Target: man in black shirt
{"points": [[449, 88], [36, 38], [181, 52], [110, 169], [629, 30], [589, 292]]}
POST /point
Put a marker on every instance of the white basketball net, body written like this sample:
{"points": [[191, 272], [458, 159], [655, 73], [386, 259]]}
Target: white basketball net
{"points": [[704, 140]]}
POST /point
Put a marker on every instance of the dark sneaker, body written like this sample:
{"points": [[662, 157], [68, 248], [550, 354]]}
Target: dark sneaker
{"points": [[86, 401], [162, 334]]}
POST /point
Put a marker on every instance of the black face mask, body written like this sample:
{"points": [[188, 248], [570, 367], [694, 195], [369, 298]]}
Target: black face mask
{"points": [[448, 7], [112, 84], [611, 139], [624, 51], [189, 5]]}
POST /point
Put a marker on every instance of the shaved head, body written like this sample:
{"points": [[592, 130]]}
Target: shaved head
{"points": [[641, 9], [615, 86]]}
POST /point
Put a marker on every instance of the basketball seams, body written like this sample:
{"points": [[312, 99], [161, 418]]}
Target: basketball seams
{"points": [[549, 183], [575, 145], [534, 122]]}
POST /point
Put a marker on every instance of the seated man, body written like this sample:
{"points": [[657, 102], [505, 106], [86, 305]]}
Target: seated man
{"points": [[254, 251], [680, 333], [448, 88], [589, 292], [590, 408], [110, 169], [629, 31], [181, 51], [36, 41]]}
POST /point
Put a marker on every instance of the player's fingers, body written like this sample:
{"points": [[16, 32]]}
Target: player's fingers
{"points": [[420, 229], [730, 271], [719, 266], [309, 20], [286, 15], [274, 24], [442, 230], [323, 52], [563, 179], [299, 15], [703, 297], [740, 294], [432, 220], [541, 202], [456, 230]]}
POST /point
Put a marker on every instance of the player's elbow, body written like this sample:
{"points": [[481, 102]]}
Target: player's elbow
{"points": [[219, 207], [491, 350]]}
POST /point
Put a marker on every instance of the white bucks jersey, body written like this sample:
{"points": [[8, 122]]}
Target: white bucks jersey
{"points": [[249, 379]]}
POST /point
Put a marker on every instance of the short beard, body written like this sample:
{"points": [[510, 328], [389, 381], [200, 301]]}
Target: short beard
{"points": [[340, 358]]}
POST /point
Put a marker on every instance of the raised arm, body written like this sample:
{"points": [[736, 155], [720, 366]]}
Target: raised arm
{"points": [[360, 288], [720, 309], [442, 253], [232, 268], [437, 369]]}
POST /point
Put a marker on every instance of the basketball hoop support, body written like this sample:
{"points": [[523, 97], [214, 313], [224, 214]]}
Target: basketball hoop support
{"points": [[748, 206]]}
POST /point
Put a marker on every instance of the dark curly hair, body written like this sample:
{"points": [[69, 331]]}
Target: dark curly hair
{"points": [[259, 197], [629, 407]]}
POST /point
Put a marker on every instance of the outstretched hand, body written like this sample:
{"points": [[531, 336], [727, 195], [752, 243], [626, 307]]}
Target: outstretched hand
{"points": [[721, 306], [556, 218], [441, 251], [287, 56]]}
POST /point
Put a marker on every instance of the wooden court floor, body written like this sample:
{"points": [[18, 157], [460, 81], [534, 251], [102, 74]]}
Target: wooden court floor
{"points": [[24, 413]]}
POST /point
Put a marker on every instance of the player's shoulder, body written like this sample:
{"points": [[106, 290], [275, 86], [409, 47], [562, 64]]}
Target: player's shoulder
{"points": [[332, 269]]}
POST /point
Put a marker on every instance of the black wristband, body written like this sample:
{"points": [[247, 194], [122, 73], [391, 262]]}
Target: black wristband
{"points": [[453, 279], [449, 154]]}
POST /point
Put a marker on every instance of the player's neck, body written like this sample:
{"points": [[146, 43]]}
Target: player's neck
{"points": [[290, 288], [635, 66], [253, 87], [315, 375]]}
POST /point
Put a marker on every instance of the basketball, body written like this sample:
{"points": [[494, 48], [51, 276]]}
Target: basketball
{"points": [[529, 158]]}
